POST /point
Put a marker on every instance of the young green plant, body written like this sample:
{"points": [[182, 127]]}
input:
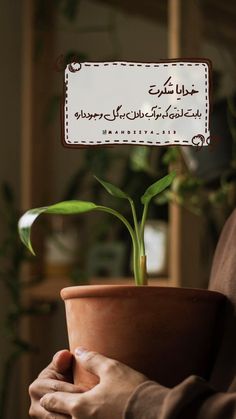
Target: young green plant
{"points": [[136, 230]]}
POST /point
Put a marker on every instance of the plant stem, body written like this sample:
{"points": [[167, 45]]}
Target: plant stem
{"points": [[136, 226], [143, 268], [142, 257], [143, 221], [136, 252]]}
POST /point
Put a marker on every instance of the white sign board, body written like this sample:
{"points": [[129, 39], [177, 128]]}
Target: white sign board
{"points": [[156, 104]]}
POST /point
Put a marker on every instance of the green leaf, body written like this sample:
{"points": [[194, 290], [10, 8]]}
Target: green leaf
{"points": [[71, 207], [157, 187], [112, 189], [62, 208]]}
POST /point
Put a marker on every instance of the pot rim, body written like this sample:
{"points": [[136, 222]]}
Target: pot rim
{"points": [[123, 290]]}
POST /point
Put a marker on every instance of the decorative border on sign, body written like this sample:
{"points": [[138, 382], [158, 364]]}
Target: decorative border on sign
{"points": [[75, 67]]}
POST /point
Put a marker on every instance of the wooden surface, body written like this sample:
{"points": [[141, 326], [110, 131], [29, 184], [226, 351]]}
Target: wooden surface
{"points": [[184, 18]]}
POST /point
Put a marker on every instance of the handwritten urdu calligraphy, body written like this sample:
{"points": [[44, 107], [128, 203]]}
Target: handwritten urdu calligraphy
{"points": [[170, 88], [155, 113], [167, 102]]}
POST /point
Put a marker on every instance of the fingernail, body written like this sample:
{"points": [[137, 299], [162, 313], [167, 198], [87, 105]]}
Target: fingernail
{"points": [[80, 351]]}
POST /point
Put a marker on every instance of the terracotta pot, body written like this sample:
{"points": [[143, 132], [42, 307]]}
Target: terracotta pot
{"points": [[166, 333]]}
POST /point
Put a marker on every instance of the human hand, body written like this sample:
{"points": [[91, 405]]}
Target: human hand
{"points": [[57, 376], [104, 401]]}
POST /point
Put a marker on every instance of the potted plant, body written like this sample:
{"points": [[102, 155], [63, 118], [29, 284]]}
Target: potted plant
{"points": [[166, 333]]}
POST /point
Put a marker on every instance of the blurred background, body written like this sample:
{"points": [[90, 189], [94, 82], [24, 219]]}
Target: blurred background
{"points": [[38, 39]]}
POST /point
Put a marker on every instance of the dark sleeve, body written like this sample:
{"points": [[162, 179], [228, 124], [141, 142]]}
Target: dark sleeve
{"points": [[192, 399]]}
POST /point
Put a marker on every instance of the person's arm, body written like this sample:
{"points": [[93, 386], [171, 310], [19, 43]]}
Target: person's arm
{"points": [[192, 399], [125, 393]]}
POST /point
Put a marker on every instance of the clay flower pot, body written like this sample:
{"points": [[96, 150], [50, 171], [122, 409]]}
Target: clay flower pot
{"points": [[165, 333]]}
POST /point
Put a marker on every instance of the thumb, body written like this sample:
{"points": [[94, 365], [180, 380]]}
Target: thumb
{"points": [[93, 361], [59, 367], [62, 361]]}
